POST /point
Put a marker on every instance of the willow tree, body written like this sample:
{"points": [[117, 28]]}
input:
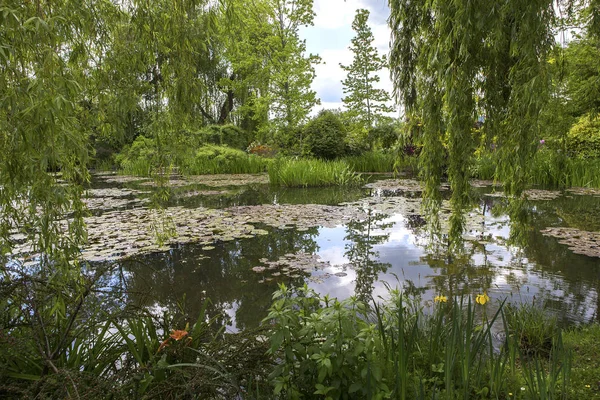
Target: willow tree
{"points": [[454, 62], [47, 50]]}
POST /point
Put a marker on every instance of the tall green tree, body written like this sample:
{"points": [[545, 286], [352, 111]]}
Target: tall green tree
{"points": [[291, 70], [364, 101]]}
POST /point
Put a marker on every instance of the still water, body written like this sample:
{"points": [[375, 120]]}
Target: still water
{"points": [[364, 256]]}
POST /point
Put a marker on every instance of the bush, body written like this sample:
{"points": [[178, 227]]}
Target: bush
{"points": [[384, 136], [583, 140], [139, 158], [324, 136], [212, 159]]}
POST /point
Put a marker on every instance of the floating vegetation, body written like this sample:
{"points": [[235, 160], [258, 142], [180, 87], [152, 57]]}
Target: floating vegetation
{"points": [[291, 265], [539, 194], [218, 180], [481, 183], [301, 216], [581, 191], [194, 193], [404, 185], [111, 198], [114, 178], [578, 241], [109, 203], [532, 194]]}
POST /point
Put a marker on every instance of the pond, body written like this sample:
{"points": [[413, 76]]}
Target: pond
{"points": [[233, 239]]}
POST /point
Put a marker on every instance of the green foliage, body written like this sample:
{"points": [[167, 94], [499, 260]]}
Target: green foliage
{"points": [[373, 161], [549, 168], [583, 342], [582, 75], [399, 350], [534, 330], [583, 139], [307, 173], [223, 135], [452, 62], [324, 136], [365, 103], [140, 158], [223, 160]]}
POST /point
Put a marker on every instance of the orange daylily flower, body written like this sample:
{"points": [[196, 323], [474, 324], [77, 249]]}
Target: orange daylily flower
{"points": [[178, 334]]}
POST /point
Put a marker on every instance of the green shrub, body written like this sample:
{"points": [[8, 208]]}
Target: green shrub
{"points": [[384, 136], [140, 158], [213, 159], [289, 141], [583, 139], [305, 173], [533, 328], [324, 136]]}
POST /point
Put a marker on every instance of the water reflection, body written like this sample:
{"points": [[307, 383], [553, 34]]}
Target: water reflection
{"points": [[239, 297], [368, 254], [361, 237]]}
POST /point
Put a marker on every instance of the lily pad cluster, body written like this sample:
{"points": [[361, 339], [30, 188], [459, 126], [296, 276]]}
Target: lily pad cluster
{"points": [[532, 194], [300, 216], [217, 180], [121, 234], [578, 241], [290, 265], [581, 191], [113, 178], [111, 198]]}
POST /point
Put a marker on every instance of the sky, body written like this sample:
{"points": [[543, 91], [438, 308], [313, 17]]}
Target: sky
{"points": [[330, 38]]}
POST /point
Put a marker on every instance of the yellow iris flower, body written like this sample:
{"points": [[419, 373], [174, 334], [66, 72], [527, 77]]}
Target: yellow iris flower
{"points": [[440, 299], [482, 298]]}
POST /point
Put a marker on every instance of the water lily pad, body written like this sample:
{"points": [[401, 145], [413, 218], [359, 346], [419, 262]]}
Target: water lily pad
{"points": [[578, 241]]}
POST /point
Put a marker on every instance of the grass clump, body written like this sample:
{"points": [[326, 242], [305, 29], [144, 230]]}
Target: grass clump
{"points": [[533, 328], [372, 161], [311, 172]]}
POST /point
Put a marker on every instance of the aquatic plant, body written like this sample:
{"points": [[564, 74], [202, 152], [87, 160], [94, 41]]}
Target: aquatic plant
{"points": [[311, 172], [372, 161]]}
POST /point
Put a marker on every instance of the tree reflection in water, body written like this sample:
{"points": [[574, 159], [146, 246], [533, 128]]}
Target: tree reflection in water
{"points": [[362, 236]]}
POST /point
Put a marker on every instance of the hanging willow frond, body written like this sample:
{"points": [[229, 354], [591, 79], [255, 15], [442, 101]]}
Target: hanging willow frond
{"points": [[455, 62]]}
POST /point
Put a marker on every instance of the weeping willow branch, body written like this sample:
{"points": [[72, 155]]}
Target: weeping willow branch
{"points": [[453, 63]]}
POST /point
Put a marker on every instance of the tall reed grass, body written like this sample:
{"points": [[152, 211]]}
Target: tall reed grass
{"points": [[548, 168], [311, 172], [373, 161]]}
